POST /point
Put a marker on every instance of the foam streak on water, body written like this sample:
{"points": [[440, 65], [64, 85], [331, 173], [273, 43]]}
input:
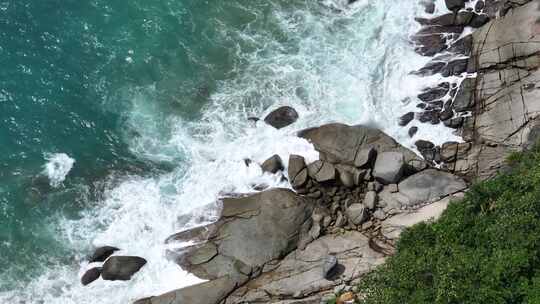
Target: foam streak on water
{"points": [[333, 64]]}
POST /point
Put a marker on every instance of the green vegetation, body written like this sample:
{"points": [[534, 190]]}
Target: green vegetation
{"points": [[485, 249]]}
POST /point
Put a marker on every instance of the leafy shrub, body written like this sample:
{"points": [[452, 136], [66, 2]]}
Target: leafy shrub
{"points": [[484, 249]]}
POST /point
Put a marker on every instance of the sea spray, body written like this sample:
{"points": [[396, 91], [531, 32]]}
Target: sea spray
{"points": [[332, 63], [57, 168]]}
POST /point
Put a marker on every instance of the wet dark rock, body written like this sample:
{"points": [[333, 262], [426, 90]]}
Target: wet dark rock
{"points": [[464, 18], [454, 123], [479, 6], [464, 99], [435, 93], [462, 46], [455, 67], [430, 45], [91, 275], [454, 5], [479, 20], [424, 144], [281, 117], [102, 253], [413, 131], [431, 68], [429, 116], [273, 165], [406, 119], [446, 114], [121, 267], [428, 150]]}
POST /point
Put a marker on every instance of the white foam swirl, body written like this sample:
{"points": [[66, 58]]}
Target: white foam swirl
{"points": [[57, 168]]}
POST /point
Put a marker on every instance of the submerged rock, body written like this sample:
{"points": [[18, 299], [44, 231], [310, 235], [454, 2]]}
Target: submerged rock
{"points": [[102, 253], [281, 117], [121, 268]]}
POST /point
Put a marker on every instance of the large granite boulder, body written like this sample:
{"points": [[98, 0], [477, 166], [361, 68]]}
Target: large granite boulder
{"points": [[389, 167], [430, 185], [354, 145], [251, 231], [121, 267]]}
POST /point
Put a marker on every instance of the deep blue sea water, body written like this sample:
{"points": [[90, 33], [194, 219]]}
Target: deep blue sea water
{"points": [[139, 109]]}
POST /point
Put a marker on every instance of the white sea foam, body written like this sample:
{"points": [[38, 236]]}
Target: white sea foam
{"points": [[349, 66], [57, 168]]}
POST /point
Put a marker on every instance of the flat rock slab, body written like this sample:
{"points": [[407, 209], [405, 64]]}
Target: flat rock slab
{"points": [[300, 273], [517, 35], [392, 227], [210, 292], [430, 185]]}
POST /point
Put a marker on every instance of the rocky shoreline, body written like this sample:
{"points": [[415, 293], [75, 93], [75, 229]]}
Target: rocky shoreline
{"points": [[348, 208]]}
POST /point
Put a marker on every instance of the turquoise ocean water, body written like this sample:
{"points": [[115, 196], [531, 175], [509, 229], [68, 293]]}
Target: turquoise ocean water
{"points": [[118, 117]]}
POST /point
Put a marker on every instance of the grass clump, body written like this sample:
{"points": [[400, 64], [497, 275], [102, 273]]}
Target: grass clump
{"points": [[484, 249]]}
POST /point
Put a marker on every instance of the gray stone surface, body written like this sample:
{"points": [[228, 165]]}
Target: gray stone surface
{"points": [[252, 231], [343, 144], [392, 227], [430, 185], [211, 292], [370, 200], [330, 263], [357, 214], [504, 97], [272, 165], [299, 274], [389, 167]]}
